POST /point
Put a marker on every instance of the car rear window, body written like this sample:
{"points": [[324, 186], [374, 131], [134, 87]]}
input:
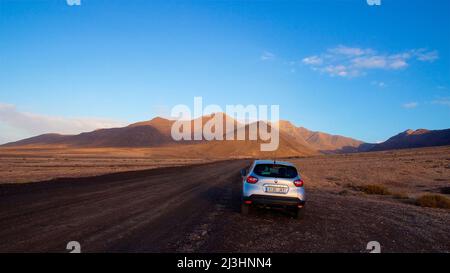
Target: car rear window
{"points": [[275, 170]]}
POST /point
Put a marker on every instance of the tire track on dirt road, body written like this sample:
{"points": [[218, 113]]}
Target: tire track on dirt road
{"points": [[133, 211]]}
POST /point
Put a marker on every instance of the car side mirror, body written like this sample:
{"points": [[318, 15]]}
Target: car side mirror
{"points": [[243, 172]]}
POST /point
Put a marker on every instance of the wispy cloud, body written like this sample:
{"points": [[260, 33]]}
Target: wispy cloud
{"points": [[426, 56], [410, 105], [338, 70], [313, 60], [347, 61], [379, 84], [442, 101], [24, 124], [267, 56], [349, 51]]}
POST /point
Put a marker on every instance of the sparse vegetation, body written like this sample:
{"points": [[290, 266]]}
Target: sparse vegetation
{"points": [[445, 190], [374, 189], [433, 201], [331, 178], [400, 195], [343, 192]]}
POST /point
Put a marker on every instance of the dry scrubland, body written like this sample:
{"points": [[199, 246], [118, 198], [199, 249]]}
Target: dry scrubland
{"points": [[419, 176], [400, 173], [22, 165], [415, 176], [352, 199]]}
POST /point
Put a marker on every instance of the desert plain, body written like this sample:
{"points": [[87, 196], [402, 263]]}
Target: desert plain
{"points": [[144, 200]]}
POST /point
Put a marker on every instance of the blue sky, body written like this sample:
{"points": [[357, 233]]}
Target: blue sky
{"points": [[341, 67]]}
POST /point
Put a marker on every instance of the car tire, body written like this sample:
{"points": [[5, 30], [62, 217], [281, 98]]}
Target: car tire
{"points": [[245, 209], [299, 213]]}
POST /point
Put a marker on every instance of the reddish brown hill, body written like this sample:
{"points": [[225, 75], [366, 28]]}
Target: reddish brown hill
{"points": [[320, 141], [294, 141], [161, 124], [44, 139], [139, 136], [157, 133], [415, 139]]}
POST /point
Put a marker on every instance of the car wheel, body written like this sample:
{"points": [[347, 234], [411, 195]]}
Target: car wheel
{"points": [[245, 209], [300, 213]]}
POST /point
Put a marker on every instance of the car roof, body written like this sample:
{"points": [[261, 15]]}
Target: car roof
{"points": [[272, 162]]}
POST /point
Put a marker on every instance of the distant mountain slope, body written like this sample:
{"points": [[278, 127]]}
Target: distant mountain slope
{"points": [[288, 147], [152, 133], [45, 139], [140, 136], [157, 133], [320, 141], [161, 124], [415, 139], [294, 141]]}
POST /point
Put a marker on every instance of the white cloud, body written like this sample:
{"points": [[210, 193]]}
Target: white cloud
{"points": [[380, 62], [398, 64], [267, 56], [24, 124], [339, 70], [336, 70], [4, 140], [353, 61], [410, 105], [313, 60], [370, 62], [349, 51]]}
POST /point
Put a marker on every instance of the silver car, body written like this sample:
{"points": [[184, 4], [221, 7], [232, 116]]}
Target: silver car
{"points": [[273, 184]]}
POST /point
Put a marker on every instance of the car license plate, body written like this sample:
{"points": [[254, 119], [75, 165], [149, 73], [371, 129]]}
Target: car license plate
{"points": [[275, 189]]}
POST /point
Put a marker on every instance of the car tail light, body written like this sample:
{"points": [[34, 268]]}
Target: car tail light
{"points": [[298, 183], [252, 180]]}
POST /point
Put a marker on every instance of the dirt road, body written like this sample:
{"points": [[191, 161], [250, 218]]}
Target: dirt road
{"points": [[196, 209]]}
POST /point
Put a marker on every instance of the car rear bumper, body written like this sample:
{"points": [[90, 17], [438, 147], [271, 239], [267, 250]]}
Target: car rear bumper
{"points": [[271, 200]]}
